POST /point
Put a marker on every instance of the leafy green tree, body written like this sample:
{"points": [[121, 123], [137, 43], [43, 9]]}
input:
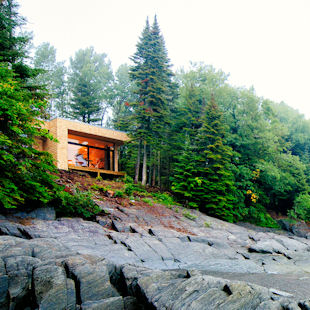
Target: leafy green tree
{"points": [[90, 79], [153, 77], [123, 94], [301, 209], [53, 77]]}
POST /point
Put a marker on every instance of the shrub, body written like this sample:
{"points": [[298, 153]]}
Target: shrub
{"points": [[127, 179], [129, 189], [193, 205], [301, 209], [258, 215], [119, 194], [75, 205], [100, 188], [148, 201], [164, 198]]}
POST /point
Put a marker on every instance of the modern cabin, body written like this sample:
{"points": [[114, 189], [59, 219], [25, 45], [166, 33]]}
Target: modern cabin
{"points": [[83, 147]]}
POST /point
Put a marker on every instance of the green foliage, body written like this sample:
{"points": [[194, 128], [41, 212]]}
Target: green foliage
{"points": [[78, 204], [301, 209], [193, 205], [53, 77], [202, 174], [164, 198], [119, 194], [148, 201], [207, 225], [257, 215], [100, 188], [90, 78], [25, 171], [14, 43], [131, 188], [128, 179], [155, 90], [188, 215]]}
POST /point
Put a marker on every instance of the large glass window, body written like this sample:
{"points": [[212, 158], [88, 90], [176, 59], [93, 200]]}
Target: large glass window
{"points": [[90, 152], [77, 155]]}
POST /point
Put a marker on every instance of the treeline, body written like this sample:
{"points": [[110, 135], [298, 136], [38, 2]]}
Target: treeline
{"points": [[218, 148]]}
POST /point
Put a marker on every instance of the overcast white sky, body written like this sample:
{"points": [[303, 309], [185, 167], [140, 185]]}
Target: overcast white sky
{"points": [[264, 43]]}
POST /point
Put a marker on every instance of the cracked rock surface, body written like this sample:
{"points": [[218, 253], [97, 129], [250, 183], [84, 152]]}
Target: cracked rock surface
{"points": [[132, 259]]}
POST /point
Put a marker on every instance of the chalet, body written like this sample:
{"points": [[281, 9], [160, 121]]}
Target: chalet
{"points": [[83, 147]]}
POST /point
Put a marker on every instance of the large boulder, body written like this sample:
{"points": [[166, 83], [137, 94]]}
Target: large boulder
{"points": [[91, 276], [52, 289]]}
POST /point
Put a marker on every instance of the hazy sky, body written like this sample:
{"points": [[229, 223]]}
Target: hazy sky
{"points": [[264, 43]]}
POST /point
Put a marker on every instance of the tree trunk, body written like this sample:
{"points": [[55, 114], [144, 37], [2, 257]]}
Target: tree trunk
{"points": [[137, 172], [150, 169], [154, 171], [158, 169], [144, 165]]}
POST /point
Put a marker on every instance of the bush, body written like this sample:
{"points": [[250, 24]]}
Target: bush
{"points": [[301, 209], [127, 179], [258, 216], [100, 188], [164, 198], [129, 189], [119, 194], [79, 204], [148, 201]]}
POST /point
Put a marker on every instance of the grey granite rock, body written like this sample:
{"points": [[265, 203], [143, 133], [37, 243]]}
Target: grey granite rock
{"points": [[92, 277], [72, 263], [50, 287], [112, 303]]}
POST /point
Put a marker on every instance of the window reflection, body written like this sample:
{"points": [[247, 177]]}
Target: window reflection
{"points": [[77, 155], [89, 152]]}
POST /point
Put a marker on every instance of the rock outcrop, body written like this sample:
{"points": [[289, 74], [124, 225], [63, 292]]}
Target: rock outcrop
{"points": [[135, 259]]}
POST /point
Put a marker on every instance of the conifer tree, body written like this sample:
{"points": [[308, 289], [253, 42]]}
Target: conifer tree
{"points": [[202, 174], [152, 74]]}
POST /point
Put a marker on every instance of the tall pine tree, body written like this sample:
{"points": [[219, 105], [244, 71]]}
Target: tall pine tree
{"points": [[152, 74]]}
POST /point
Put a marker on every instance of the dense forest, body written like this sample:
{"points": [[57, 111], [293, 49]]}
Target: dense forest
{"points": [[216, 147]]}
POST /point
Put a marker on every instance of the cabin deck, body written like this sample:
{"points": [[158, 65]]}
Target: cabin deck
{"points": [[99, 171]]}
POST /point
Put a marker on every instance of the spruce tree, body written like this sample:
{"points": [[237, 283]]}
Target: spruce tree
{"points": [[152, 74], [202, 174]]}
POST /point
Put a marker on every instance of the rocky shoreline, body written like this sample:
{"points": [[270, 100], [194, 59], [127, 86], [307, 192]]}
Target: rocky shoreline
{"points": [[135, 258]]}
